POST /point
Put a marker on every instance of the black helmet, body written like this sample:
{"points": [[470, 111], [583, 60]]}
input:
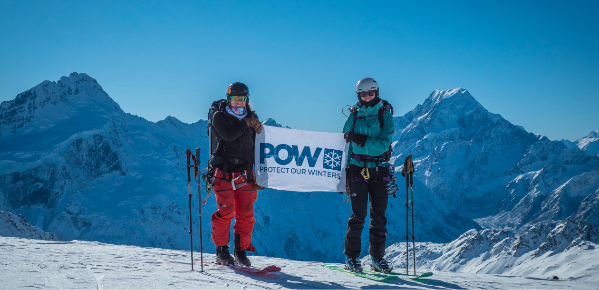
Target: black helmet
{"points": [[237, 89]]}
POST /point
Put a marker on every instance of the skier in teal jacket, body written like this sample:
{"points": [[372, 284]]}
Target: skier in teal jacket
{"points": [[368, 173]]}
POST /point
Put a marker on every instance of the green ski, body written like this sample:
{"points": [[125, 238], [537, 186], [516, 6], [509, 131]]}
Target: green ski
{"points": [[413, 277], [363, 275]]}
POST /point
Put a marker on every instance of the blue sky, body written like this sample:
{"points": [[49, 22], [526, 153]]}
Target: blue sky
{"points": [[536, 63]]}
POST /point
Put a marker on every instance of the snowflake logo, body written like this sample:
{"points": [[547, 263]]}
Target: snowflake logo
{"points": [[332, 159]]}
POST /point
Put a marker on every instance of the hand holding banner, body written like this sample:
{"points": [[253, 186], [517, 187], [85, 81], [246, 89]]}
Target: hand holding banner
{"points": [[297, 160]]}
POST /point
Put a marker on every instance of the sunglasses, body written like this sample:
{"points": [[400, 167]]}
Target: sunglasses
{"points": [[367, 93], [239, 98]]}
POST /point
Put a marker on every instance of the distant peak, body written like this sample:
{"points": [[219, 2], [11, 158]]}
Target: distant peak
{"points": [[460, 95], [272, 122], [75, 78], [438, 95], [172, 119]]}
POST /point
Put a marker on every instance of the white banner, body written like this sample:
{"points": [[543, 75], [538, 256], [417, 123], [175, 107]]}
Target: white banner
{"points": [[297, 160]]}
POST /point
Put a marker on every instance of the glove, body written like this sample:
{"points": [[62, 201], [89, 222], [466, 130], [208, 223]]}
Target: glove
{"points": [[257, 127], [254, 123], [359, 139], [392, 188]]}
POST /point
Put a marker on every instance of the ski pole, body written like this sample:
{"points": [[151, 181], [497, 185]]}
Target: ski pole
{"points": [[189, 194], [412, 206], [407, 171], [407, 219], [196, 173]]}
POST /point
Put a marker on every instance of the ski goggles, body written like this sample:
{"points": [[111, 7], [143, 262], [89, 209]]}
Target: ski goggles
{"points": [[239, 98], [367, 93]]}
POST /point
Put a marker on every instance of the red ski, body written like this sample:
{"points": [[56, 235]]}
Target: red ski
{"points": [[264, 272]]}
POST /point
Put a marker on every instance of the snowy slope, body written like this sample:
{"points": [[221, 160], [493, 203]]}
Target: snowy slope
{"points": [[74, 164], [588, 144], [12, 225], [93, 265], [568, 250]]}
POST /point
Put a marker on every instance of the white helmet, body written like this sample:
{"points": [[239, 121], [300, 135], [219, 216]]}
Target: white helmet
{"points": [[367, 84]]}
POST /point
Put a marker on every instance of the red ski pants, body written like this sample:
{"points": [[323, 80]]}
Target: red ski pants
{"points": [[234, 203]]}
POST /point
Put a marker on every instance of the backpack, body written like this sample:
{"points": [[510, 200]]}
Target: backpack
{"points": [[214, 139]]}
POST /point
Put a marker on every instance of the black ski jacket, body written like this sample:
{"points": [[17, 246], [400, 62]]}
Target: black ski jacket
{"points": [[236, 146]]}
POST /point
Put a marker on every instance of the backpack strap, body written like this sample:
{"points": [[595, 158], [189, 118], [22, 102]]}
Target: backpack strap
{"points": [[381, 113], [354, 111]]}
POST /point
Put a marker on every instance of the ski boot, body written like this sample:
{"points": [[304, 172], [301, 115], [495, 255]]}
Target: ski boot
{"points": [[353, 265], [223, 257], [380, 265], [241, 258]]}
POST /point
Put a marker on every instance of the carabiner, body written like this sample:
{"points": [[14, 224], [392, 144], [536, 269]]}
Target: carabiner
{"points": [[367, 176]]}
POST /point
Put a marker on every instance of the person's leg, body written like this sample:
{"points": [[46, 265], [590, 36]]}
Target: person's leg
{"points": [[221, 220], [359, 205], [378, 222], [244, 217]]}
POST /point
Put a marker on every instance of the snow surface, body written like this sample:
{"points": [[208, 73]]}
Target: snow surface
{"points": [[27, 263], [569, 251]]}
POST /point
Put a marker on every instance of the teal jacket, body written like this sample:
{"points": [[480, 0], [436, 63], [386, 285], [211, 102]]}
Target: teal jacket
{"points": [[378, 140]]}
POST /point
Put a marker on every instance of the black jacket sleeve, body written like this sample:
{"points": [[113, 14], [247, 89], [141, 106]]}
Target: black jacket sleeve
{"points": [[223, 128]]}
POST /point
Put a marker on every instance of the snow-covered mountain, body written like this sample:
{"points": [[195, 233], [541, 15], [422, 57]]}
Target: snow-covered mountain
{"points": [[588, 144], [491, 170], [272, 122], [12, 225], [75, 165], [568, 250]]}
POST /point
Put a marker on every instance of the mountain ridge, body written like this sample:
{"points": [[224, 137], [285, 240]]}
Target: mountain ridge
{"points": [[119, 178], [458, 146]]}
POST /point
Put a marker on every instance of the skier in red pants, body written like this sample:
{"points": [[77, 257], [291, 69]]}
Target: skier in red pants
{"points": [[235, 126]]}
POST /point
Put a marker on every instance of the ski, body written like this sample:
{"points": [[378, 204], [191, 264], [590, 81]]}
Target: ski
{"points": [[262, 272], [361, 274], [413, 277]]}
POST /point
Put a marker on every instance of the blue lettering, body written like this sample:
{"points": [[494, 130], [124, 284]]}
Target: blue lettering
{"points": [[263, 154], [289, 153], [267, 150], [299, 160]]}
